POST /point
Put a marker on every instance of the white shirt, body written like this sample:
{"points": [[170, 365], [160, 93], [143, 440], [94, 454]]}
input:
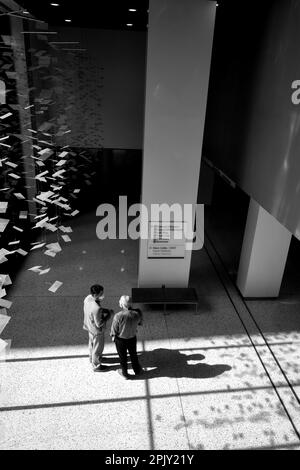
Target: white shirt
{"points": [[93, 321]]}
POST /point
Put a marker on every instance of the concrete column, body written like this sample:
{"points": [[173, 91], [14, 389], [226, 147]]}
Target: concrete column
{"points": [[264, 253], [180, 41]]}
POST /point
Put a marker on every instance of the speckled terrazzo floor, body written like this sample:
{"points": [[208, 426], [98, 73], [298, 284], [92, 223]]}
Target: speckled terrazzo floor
{"points": [[211, 381]]}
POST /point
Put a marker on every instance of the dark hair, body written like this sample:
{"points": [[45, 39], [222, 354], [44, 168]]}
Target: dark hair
{"points": [[97, 289]]}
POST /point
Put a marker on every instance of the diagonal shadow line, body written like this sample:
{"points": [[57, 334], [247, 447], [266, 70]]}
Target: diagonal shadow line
{"points": [[56, 358], [226, 281], [178, 386], [149, 411], [274, 447], [262, 334], [113, 355], [136, 398]]}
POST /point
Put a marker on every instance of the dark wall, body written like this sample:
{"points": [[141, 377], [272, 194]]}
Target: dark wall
{"points": [[105, 84], [239, 34], [253, 128], [120, 174]]}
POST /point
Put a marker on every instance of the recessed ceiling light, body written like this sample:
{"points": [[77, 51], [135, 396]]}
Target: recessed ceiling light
{"points": [[68, 21], [54, 4], [129, 24], [132, 9]]}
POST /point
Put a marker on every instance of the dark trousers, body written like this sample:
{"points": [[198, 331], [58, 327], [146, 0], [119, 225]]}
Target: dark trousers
{"points": [[124, 345]]}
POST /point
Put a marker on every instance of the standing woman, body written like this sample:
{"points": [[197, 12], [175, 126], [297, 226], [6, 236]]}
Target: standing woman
{"points": [[123, 333]]}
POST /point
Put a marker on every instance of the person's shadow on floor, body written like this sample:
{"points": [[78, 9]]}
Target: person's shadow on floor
{"points": [[170, 363]]}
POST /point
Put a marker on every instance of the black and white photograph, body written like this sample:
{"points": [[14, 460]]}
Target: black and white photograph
{"points": [[149, 228]]}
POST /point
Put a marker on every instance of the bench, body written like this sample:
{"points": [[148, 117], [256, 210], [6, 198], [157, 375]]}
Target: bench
{"points": [[165, 296]]}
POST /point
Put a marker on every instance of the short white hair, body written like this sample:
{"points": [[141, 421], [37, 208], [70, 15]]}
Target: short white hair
{"points": [[125, 301]]}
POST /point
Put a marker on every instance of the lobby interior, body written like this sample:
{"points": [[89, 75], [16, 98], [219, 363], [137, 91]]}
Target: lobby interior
{"points": [[224, 377]]}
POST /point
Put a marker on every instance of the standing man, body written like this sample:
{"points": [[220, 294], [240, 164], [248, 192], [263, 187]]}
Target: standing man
{"points": [[123, 333], [95, 319]]}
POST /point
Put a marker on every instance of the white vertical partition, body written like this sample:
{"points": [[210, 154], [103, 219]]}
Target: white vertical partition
{"points": [[264, 253], [180, 39]]}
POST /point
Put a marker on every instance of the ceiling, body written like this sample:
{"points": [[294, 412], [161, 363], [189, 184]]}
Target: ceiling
{"points": [[104, 14]]}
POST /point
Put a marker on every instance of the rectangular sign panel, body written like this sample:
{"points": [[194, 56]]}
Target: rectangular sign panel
{"points": [[167, 240]]}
